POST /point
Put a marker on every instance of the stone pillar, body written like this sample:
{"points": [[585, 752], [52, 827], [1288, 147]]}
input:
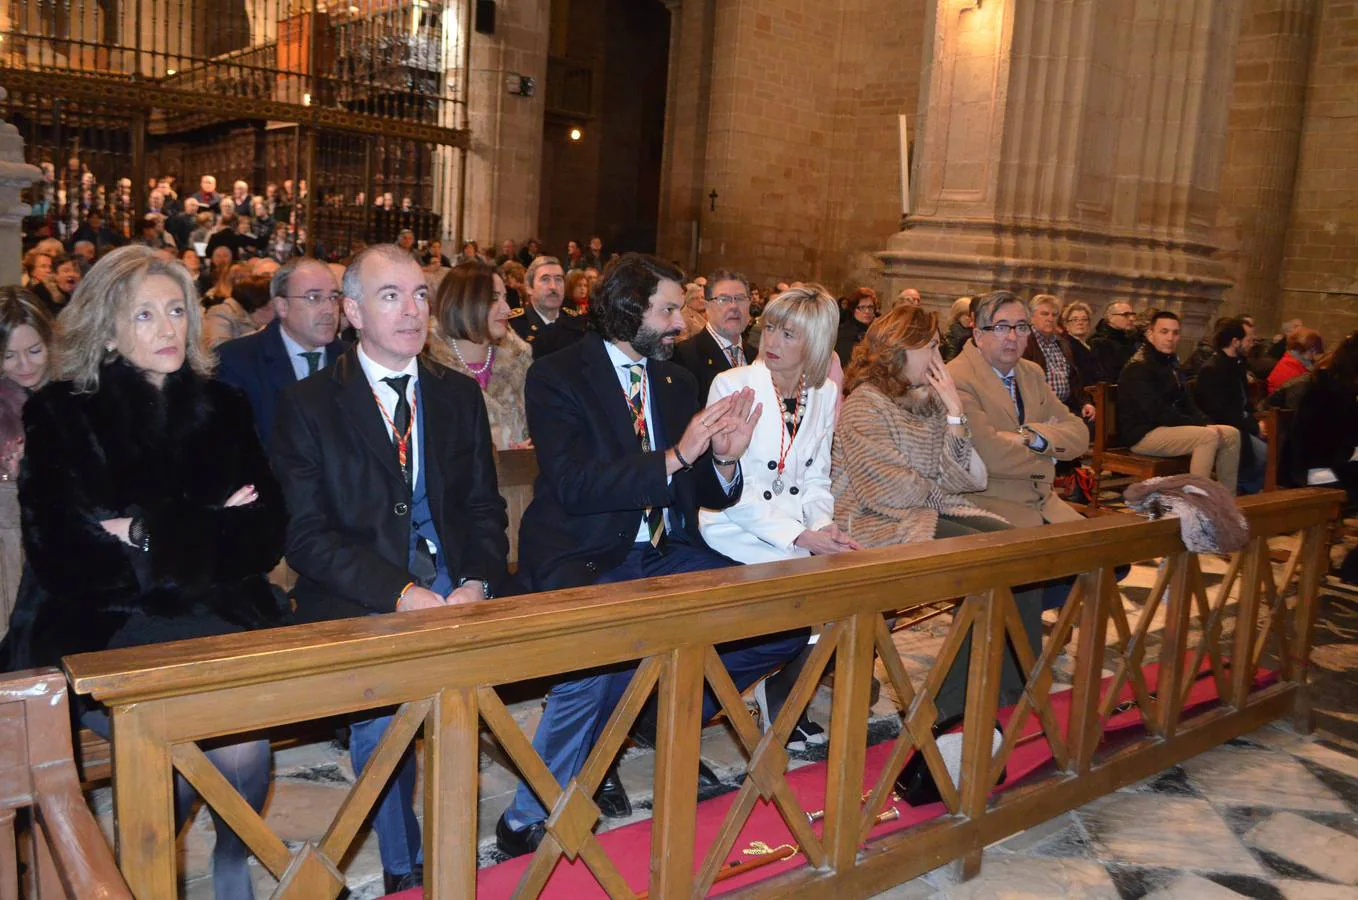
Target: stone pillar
{"points": [[684, 170], [1268, 108], [1072, 146], [15, 176]]}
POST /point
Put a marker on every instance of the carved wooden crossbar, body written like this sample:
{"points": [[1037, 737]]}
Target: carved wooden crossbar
{"points": [[440, 669]]}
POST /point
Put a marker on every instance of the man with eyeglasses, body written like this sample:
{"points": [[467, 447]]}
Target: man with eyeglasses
{"points": [[1115, 340], [1018, 426], [721, 345], [298, 342]]}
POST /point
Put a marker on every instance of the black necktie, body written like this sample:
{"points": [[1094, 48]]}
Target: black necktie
{"points": [[313, 362], [401, 423]]}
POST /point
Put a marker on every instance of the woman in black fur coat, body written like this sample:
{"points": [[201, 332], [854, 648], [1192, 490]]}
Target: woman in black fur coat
{"points": [[149, 511]]}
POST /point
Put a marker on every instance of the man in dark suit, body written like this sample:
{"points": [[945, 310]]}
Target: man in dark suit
{"points": [[721, 345], [543, 323], [627, 456], [298, 342], [388, 470]]}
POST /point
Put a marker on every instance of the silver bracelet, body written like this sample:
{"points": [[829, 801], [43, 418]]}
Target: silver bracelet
{"points": [[717, 460]]}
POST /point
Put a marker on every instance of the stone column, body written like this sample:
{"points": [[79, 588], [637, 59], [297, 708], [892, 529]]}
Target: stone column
{"points": [[1267, 112], [684, 169], [15, 176], [1072, 146]]}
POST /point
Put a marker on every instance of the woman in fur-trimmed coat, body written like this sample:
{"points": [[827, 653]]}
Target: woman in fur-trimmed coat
{"points": [[148, 507], [470, 334]]}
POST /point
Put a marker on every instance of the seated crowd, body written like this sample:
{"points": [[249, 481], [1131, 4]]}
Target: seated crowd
{"points": [[348, 419]]}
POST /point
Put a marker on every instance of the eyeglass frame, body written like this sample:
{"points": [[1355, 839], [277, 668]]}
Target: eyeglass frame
{"points": [[730, 299], [1004, 329]]}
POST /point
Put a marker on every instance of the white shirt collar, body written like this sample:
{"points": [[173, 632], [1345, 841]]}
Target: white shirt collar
{"points": [[291, 345], [619, 358], [543, 315], [1003, 375], [721, 340], [376, 372]]}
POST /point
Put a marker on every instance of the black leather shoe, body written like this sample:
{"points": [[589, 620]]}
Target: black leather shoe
{"points": [[612, 796], [394, 884], [518, 843]]}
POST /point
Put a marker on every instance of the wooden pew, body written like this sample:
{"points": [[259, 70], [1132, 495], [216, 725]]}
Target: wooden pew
{"points": [[516, 470], [442, 668], [1274, 423], [69, 857], [1108, 453]]}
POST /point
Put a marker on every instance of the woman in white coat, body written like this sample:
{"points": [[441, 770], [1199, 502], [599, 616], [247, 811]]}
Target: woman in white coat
{"points": [[786, 509]]}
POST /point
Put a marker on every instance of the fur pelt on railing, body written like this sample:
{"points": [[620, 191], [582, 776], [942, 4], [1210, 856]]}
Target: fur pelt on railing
{"points": [[1209, 520]]}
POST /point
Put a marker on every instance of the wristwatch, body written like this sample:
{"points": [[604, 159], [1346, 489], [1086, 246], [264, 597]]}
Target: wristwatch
{"points": [[485, 585], [958, 420], [138, 536]]}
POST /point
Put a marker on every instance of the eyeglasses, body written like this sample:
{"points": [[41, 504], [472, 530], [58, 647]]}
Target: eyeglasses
{"points": [[1004, 329], [1119, 315], [730, 299], [316, 298], [867, 307]]}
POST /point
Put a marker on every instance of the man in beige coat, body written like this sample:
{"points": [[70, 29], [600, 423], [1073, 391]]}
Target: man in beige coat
{"points": [[1018, 426]]}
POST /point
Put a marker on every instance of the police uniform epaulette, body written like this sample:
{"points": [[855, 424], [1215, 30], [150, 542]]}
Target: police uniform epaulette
{"points": [[515, 313], [570, 311]]}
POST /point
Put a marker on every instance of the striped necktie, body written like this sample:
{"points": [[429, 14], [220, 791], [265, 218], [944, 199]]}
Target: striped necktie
{"points": [[636, 402]]}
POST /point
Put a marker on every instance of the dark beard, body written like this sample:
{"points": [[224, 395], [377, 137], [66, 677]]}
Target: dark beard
{"points": [[650, 343]]}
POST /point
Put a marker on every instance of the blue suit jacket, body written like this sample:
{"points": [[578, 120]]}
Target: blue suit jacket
{"points": [[258, 364]]}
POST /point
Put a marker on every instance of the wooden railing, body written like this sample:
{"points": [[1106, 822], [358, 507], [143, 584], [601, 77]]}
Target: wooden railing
{"points": [[441, 668], [67, 856]]}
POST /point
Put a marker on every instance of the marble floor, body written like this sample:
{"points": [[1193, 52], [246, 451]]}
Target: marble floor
{"points": [[1273, 815]]}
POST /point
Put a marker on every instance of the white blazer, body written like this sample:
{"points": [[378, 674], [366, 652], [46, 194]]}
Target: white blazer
{"points": [[763, 525]]}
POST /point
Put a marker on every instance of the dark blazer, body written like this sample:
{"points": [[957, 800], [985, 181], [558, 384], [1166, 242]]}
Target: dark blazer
{"points": [[703, 356], [594, 481], [258, 364], [545, 339], [171, 456], [349, 534], [1222, 392], [1323, 434]]}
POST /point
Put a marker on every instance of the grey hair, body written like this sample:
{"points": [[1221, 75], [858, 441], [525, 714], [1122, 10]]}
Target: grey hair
{"points": [[106, 292], [352, 286], [983, 306], [1044, 300], [537, 263], [810, 311], [278, 285]]}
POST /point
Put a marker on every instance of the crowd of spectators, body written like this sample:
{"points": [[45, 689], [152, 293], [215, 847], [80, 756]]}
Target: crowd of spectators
{"points": [[228, 400]]}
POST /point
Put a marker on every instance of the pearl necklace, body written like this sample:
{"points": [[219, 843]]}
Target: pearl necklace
{"points": [[475, 370]]}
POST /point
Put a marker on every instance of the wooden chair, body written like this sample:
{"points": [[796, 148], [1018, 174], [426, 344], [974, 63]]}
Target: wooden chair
{"points": [[69, 857], [1108, 453], [1275, 423]]}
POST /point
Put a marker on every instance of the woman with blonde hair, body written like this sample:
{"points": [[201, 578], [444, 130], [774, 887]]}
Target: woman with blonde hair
{"points": [[149, 510], [786, 510], [470, 334]]}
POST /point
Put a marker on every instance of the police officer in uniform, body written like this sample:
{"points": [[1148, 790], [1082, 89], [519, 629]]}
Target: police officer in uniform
{"points": [[544, 324]]}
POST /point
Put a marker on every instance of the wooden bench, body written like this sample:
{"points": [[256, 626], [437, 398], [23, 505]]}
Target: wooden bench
{"points": [[1108, 453], [67, 856], [443, 669]]}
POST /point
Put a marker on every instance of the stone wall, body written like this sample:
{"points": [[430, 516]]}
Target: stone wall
{"points": [[787, 109], [1319, 281], [1268, 106], [504, 176]]}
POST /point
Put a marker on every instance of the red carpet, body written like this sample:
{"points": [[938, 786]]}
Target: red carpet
{"points": [[630, 846]]}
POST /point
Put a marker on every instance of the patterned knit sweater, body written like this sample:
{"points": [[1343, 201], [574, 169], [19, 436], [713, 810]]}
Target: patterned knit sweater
{"points": [[894, 468]]}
